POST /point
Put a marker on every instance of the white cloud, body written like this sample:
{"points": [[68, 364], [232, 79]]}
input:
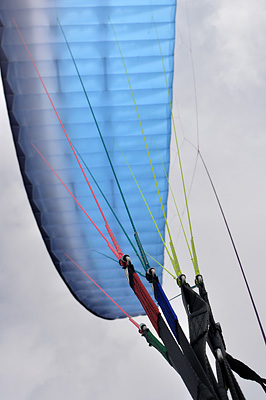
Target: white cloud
{"points": [[55, 349], [239, 29]]}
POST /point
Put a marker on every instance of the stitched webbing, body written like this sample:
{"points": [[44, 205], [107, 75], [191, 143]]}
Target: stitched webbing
{"points": [[166, 307], [144, 298], [172, 320], [199, 388]]}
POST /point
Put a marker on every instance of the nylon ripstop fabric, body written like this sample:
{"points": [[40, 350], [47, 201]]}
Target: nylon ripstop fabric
{"points": [[90, 30]]}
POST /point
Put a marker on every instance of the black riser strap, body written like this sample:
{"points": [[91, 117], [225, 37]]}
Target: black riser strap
{"points": [[216, 340], [197, 389], [245, 372]]}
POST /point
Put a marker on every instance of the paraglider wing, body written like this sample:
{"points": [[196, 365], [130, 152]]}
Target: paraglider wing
{"points": [[65, 71]]}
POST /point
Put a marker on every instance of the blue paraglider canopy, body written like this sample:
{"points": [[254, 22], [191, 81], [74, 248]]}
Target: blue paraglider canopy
{"points": [[66, 73]]}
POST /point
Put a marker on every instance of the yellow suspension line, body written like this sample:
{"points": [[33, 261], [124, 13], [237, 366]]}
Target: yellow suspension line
{"points": [[194, 259], [174, 260]]}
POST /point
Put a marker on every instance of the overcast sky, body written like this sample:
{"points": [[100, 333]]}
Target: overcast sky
{"points": [[50, 346]]}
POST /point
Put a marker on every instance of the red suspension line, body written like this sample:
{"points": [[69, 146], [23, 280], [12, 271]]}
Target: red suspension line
{"points": [[119, 251], [84, 272], [74, 198]]}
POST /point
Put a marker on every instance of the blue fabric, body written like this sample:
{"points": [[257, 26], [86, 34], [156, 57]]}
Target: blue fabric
{"points": [[63, 225], [167, 309]]}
